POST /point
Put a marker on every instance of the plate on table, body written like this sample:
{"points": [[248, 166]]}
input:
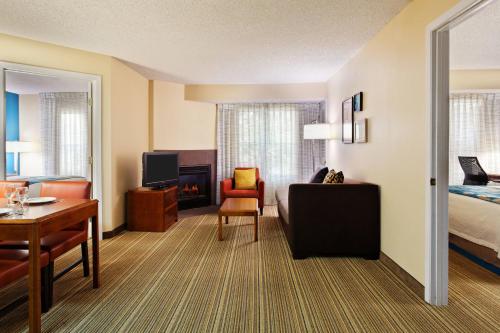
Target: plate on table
{"points": [[5, 211], [41, 200]]}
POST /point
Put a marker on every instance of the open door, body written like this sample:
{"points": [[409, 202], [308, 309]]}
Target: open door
{"points": [[2, 123]]}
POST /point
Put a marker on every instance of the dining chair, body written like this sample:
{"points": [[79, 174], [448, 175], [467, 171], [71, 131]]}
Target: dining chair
{"points": [[474, 173], [15, 183], [60, 242], [14, 264]]}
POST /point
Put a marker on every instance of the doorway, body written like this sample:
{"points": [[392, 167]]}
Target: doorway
{"points": [[438, 41], [50, 126]]}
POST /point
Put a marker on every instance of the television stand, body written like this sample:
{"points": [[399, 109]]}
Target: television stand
{"points": [[151, 209]]}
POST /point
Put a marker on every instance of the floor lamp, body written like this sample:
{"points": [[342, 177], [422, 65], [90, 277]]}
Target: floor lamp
{"points": [[316, 131]]}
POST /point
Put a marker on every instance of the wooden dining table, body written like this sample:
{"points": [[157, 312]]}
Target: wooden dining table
{"points": [[39, 221]]}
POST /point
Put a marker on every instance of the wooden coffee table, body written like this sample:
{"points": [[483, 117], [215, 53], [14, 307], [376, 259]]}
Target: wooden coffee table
{"points": [[239, 207]]}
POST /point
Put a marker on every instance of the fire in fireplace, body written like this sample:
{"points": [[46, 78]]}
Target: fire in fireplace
{"points": [[194, 186]]}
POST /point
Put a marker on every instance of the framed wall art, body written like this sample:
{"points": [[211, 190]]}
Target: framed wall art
{"points": [[347, 121], [357, 102], [360, 131]]}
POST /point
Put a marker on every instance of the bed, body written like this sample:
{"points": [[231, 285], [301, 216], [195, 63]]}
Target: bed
{"points": [[474, 221]]}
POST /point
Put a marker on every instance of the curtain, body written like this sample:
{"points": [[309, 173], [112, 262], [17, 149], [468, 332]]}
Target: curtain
{"points": [[474, 131], [64, 131], [268, 136]]}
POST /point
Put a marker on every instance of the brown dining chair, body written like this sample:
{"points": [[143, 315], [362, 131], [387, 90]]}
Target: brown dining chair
{"points": [[14, 264], [15, 183], [60, 242]]}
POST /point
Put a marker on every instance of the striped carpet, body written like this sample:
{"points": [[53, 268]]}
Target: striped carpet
{"points": [[184, 280]]}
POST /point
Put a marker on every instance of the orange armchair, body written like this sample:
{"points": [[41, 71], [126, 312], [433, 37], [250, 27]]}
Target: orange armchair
{"points": [[227, 190]]}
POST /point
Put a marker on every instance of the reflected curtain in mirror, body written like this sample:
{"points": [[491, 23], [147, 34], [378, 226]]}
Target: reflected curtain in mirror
{"points": [[64, 133]]}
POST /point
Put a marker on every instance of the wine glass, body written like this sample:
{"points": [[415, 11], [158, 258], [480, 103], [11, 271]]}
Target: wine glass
{"points": [[22, 195], [10, 193]]}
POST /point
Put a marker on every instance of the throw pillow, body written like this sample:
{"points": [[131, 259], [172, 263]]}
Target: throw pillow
{"points": [[333, 177], [319, 175], [245, 179]]}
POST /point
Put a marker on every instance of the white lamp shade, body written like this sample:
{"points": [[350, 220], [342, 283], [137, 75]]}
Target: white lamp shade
{"points": [[21, 147], [318, 131]]}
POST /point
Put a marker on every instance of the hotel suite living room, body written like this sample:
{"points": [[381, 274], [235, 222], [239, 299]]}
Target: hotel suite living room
{"points": [[234, 166]]}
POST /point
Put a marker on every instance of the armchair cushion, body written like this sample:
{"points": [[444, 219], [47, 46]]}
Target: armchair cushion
{"points": [[245, 179], [242, 194]]}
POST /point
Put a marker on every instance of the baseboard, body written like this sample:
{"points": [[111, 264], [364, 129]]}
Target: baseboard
{"points": [[409, 280], [114, 232]]}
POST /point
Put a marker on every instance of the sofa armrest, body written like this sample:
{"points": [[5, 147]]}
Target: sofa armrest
{"points": [[341, 216], [261, 187]]}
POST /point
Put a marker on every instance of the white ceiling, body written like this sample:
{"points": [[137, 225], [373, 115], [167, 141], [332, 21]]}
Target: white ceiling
{"points": [[217, 41], [22, 83], [475, 43]]}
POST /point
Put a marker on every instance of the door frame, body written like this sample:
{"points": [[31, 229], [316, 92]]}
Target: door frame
{"points": [[96, 114], [438, 69]]}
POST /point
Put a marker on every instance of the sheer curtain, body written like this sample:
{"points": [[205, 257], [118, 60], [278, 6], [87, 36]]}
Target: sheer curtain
{"points": [[474, 131], [64, 131], [270, 137]]}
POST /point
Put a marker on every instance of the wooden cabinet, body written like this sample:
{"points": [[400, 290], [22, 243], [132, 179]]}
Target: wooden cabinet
{"points": [[151, 210]]}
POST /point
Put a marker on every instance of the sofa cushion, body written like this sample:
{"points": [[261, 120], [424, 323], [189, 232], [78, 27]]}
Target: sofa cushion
{"points": [[319, 175], [242, 194], [333, 177]]}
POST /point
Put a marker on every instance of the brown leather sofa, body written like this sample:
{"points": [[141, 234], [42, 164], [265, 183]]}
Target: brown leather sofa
{"points": [[331, 219]]}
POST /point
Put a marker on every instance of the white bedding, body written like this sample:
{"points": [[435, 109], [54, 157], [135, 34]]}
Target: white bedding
{"points": [[475, 220]]}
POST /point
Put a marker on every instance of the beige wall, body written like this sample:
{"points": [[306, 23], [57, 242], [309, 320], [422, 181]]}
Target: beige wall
{"points": [[391, 70], [25, 51], [474, 79], [179, 124], [129, 113], [29, 130], [240, 93]]}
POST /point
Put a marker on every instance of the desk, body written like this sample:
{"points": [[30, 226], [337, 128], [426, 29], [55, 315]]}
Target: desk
{"points": [[39, 221]]}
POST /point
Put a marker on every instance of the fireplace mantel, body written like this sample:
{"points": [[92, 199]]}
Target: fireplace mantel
{"points": [[199, 157]]}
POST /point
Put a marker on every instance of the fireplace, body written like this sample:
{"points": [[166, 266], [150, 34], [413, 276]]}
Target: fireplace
{"points": [[194, 186]]}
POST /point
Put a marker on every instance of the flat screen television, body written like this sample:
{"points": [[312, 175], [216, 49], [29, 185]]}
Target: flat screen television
{"points": [[159, 170]]}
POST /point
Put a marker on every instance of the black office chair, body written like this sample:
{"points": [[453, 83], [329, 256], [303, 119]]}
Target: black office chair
{"points": [[474, 173]]}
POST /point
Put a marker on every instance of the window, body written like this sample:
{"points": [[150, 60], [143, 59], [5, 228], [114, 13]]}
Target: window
{"points": [[474, 131], [269, 136]]}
